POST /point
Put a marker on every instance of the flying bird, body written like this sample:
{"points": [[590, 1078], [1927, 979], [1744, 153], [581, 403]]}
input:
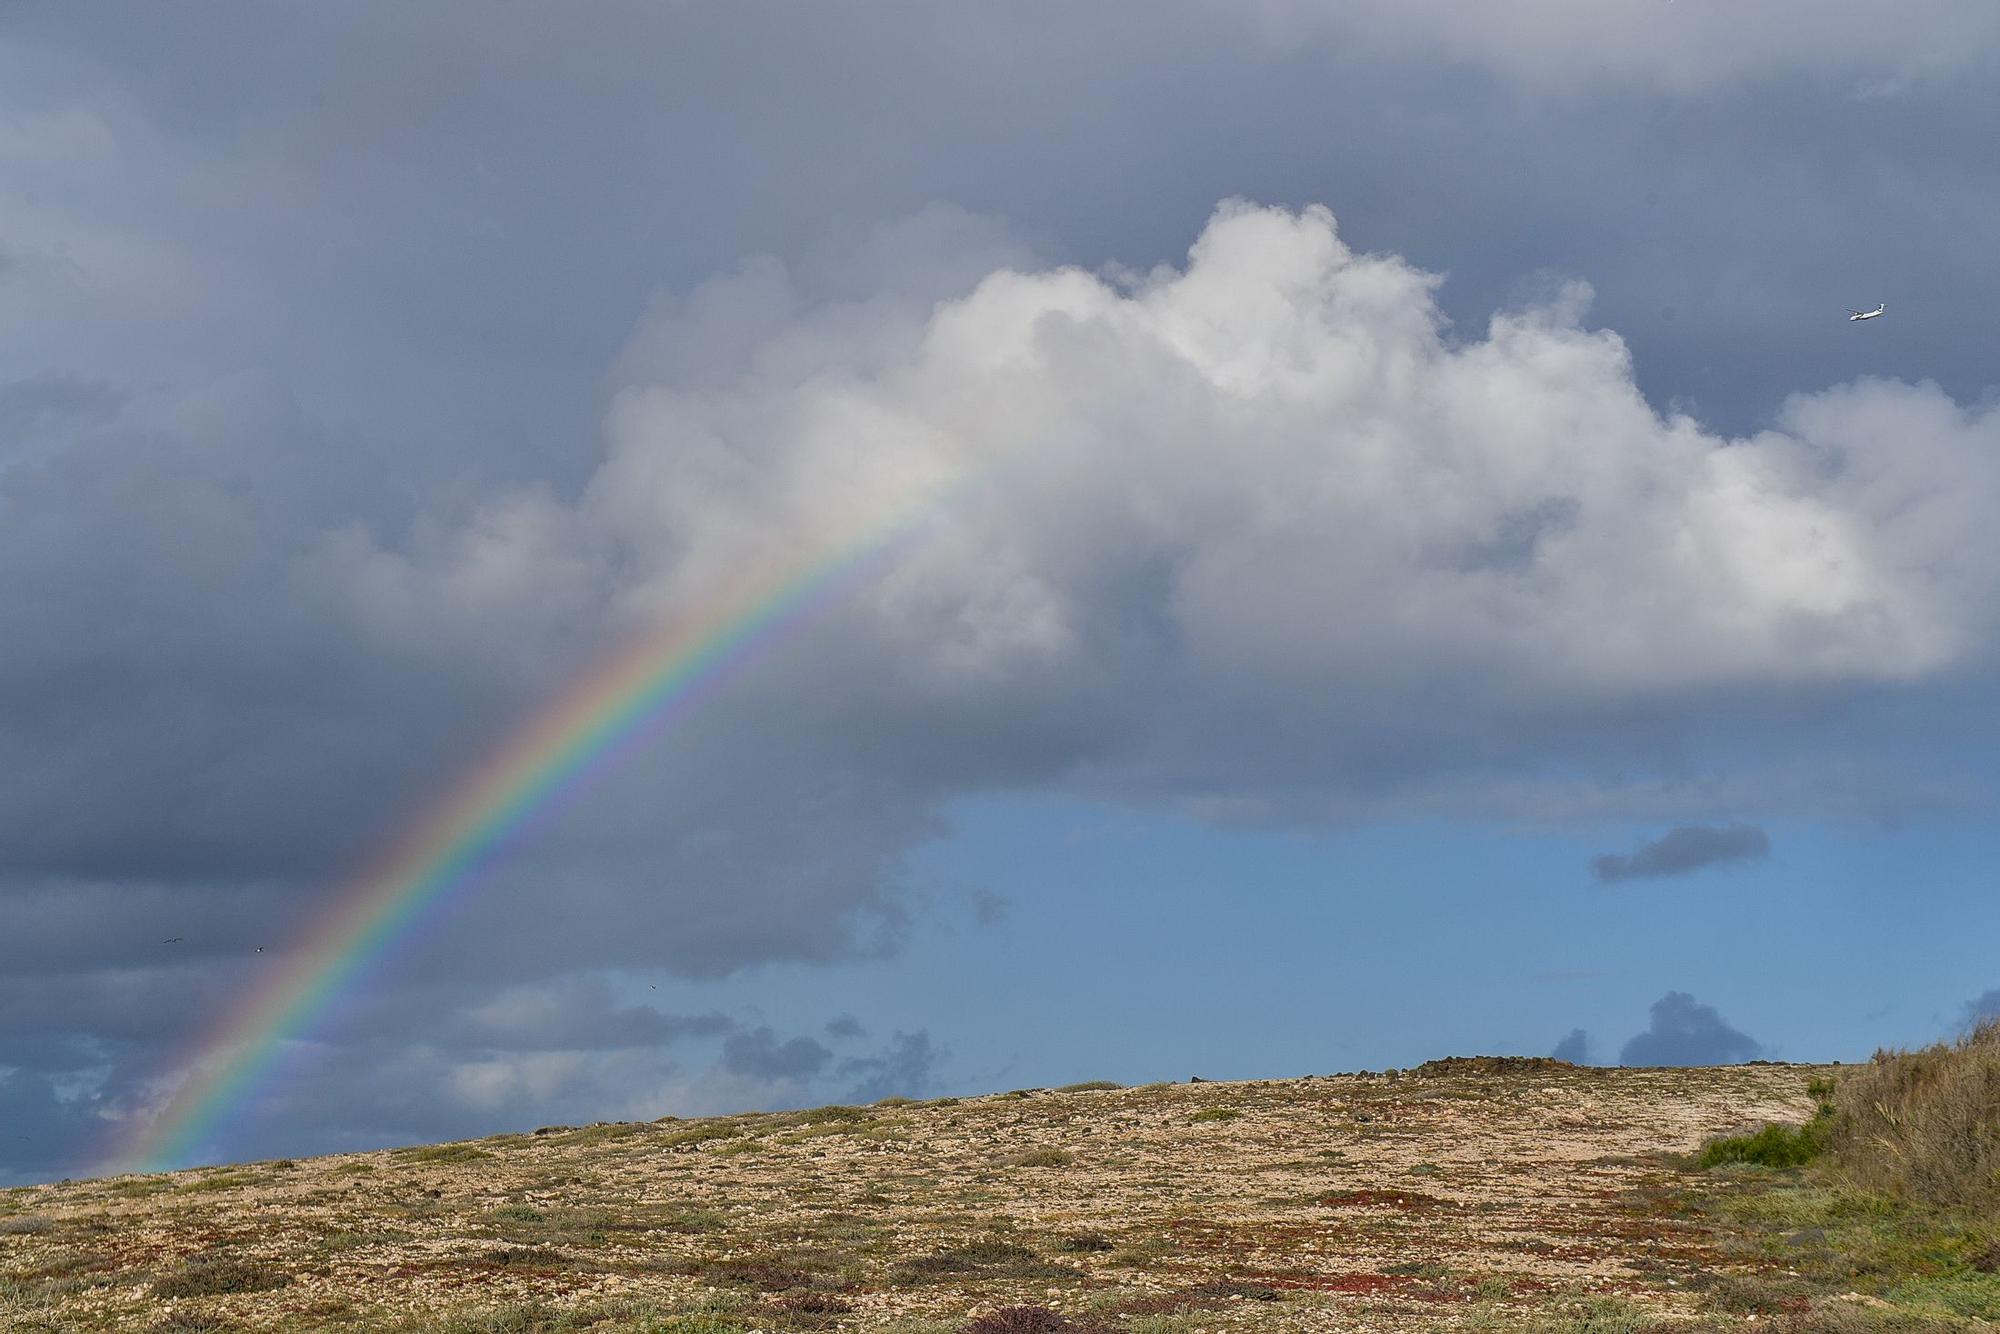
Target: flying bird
{"points": [[173, 940], [1853, 315]]}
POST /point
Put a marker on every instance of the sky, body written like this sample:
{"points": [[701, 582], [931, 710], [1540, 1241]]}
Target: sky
{"points": [[1418, 562]]}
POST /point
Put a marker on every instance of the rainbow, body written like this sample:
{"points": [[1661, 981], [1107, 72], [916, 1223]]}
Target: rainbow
{"points": [[626, 700]]}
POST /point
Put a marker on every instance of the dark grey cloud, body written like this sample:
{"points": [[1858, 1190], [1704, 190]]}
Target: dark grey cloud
{"points": [[418, 165], [1684, 849], [907, 1067], [38, 410], [43, 1135], [845, 1026], [1686, 1032], [1568, 44], [575, 1014], [759, 1053], [87, 1024], [1575, 1047]]}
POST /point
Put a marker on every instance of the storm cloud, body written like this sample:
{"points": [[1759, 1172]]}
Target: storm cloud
{"points": [[1682, 850]]}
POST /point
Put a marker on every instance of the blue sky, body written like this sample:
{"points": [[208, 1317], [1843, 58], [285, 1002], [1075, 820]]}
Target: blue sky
{"points": [[1136, 948], [1444, 573]]}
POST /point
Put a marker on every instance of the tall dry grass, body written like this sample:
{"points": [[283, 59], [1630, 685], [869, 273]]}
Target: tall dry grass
{"points": [[1925, 1125]]}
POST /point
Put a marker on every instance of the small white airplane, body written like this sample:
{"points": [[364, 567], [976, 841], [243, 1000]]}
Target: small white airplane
{"points": [[1853, 315]]}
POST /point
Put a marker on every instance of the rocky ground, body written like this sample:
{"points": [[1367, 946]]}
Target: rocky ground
{"points": [[1475, 1194]]}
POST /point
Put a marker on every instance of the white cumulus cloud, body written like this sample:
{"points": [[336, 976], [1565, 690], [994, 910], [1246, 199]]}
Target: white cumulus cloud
{"points": [[1273, 483]]}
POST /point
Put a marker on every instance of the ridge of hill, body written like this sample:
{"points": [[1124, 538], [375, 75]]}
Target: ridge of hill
{"points": [[1482, 1193]]}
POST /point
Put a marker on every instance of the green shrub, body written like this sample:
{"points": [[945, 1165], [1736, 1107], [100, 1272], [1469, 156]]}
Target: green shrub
{"points": [[1773, 1146], [832, 1114]]}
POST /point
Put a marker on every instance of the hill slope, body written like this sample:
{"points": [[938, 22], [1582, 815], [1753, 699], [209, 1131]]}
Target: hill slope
{"points": [[1468, 1194]]}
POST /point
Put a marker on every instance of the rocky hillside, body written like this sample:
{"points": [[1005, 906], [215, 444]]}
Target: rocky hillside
{"points": [[1491, 1194]]}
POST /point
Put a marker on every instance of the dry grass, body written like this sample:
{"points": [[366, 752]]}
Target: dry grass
{"points": [[1925, 1125]]}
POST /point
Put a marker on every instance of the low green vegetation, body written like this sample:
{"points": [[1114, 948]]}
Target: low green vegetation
{"points": [[440, 1153], [207, 1276], [982, 1259], [832, 1114], [1889, 1194], [1598, 1315], [224, 1181], [1779, 1145], [188, 1322], [1772, 1146], [700, 1133]]}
